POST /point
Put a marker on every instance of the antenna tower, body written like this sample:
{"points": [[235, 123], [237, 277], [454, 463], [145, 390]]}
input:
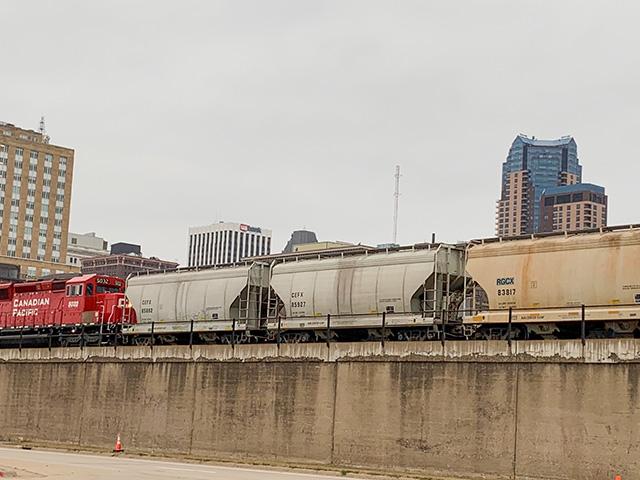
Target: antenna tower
{"points": [[396, 198], [43, 131]]}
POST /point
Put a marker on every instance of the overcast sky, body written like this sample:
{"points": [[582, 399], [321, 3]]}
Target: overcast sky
{"points": [[291, 114]]}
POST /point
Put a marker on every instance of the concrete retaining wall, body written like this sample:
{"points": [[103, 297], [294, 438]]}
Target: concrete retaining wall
{"points": [[552, 410]]}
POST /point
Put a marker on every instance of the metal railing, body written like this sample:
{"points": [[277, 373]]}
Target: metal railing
{"points": [[326, 328]]}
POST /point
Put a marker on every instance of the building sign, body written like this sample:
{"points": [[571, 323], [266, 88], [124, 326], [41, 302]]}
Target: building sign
{"points": [[246, 228]]}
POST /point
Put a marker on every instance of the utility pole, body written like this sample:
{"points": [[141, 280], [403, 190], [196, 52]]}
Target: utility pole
{"points": [[396, 199]]}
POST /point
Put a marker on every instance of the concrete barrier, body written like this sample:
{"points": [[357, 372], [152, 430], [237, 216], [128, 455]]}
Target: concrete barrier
{"points": [[555, 351], [529, 410]]}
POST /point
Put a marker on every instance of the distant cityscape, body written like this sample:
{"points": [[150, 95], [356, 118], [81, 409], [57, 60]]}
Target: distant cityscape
{"points": [[541, 191]]}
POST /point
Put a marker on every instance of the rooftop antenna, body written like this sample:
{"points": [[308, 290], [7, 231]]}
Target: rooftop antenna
{"points": [[396, 197], [43, 131]]}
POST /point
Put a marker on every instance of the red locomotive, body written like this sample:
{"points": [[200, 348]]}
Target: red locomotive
{"points": [[88, 308]]}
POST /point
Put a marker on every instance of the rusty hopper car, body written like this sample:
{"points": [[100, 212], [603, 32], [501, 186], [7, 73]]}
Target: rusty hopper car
{"points": [[552, 282], [416, 288], [210, 303]]}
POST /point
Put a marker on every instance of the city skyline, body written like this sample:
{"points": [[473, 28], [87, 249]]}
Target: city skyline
{"points": [[270, 121]]}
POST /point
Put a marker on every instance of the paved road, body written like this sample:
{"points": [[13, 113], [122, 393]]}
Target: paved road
{"points": [[70, 466]]}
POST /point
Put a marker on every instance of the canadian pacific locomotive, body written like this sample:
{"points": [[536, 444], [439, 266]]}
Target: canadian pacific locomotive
{"points": [[542, 286], [63, 312]]}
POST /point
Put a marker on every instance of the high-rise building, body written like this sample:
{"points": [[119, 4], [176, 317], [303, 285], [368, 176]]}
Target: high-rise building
{"points": [[35, 196], [225, 243], [573, 207], [531, 167], [85, 245]]}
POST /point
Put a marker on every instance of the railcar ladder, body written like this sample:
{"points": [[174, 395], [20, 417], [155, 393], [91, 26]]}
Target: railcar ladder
{"points": [[274, 306], [251, 298]]}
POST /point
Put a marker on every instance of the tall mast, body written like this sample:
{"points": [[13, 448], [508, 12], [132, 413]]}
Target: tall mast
{"points": [[396, 198]]}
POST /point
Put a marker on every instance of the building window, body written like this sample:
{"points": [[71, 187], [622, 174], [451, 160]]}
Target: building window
{"points": [[234, 252]]}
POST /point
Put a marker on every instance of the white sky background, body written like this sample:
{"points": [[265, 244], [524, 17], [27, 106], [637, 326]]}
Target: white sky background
{"points": [[285, 114]]}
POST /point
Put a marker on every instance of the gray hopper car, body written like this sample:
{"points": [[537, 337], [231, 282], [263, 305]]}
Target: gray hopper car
{"points": [[409, 293]]}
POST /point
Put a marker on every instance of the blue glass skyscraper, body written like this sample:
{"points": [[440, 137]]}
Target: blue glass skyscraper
{"points": [[531, 166]]}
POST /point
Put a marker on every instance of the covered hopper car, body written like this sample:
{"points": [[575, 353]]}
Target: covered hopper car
{"points": [[212, 304], [555, 285], [415, 289]]}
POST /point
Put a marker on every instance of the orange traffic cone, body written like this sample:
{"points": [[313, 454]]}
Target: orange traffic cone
{"points": [[618, 477], [118, 447]]}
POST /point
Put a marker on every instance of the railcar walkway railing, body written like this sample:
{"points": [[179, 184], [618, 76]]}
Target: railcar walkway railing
{"points": [[442, 325]]}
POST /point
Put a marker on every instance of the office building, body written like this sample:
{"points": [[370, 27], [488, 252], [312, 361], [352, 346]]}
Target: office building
{"points": [[124, 265], [85, 245], [226, 243], [35, 198], [533, 166], [573, 207]]}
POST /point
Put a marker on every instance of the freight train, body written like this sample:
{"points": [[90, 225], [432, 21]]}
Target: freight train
{"points": [[541, 286]]}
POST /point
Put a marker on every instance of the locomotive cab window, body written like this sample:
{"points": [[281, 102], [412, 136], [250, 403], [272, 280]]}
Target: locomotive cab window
{"points": [[74, 290], [107, 289], [89, 290], [4, 293]]}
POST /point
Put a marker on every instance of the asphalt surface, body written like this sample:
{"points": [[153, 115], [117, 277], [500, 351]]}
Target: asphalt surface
{"points": [[73, 466]]}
